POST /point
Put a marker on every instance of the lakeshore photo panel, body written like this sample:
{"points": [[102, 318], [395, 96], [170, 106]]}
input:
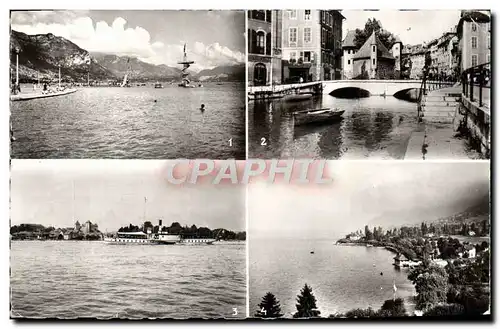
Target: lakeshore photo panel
{"points": [[127, 84], [394, 240], [369, 84], [115, 240]]}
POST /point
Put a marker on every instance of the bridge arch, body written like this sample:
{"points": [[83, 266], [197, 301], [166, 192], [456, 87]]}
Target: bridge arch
{"points": [[407, 94], [350, 92]]}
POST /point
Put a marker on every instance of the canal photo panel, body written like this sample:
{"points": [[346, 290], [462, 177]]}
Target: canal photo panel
{"points": [[369, 84], [121, 84], [115, 240], [384, 239]]}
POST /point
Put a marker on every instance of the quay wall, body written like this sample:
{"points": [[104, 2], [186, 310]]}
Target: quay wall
{"points": [[475, 123]]}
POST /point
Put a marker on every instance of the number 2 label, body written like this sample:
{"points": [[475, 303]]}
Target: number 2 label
{"points": [[263, 141]]}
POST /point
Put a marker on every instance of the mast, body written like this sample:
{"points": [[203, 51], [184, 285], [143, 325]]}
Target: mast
{"points": [[17, 66]]}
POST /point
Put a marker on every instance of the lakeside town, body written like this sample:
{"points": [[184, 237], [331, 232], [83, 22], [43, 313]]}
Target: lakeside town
{"points": [[90, 231], [281, 53], [450, 272]]}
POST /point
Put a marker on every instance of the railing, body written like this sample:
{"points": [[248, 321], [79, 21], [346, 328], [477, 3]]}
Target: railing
{"points": [[476, 76]]}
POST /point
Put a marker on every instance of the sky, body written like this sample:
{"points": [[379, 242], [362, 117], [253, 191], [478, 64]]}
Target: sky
{"points": [[366, 192], [111, 194], [213, 37], [413, 27]]}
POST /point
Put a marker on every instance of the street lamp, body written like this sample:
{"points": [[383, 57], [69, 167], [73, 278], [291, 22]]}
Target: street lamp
{"points": [[17, 66]]}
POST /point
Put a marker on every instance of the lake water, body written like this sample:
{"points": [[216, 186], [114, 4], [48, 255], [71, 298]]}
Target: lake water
{"points": [[127, 123], [373, 127], [91, 279], [342, 277]]}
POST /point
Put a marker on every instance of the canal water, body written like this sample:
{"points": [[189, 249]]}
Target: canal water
{"points": [[342, 277], [69, 279], [131, 123], [373, 127]]}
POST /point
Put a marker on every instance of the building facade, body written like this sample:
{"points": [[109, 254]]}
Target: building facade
{"points": [[264, 47], [397, 52], [349, 49], [311, 45], [416, 60], [474, 34]]}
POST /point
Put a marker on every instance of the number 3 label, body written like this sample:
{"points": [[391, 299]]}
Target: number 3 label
{"points": [[235, 311]]}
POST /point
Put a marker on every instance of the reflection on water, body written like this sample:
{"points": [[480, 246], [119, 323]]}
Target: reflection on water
{"points": [[374, 127]]}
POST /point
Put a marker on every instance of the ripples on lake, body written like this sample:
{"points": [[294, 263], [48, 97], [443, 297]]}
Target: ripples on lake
{"points": [[342, 277], [373, 127], [69, 279], [127, 123]]}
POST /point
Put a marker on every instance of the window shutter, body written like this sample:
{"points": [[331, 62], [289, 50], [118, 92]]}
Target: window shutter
{"points": [[268, 44], [254, 42]]}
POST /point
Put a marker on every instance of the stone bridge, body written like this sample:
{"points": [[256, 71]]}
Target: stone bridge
{"points": [[378, 87]]}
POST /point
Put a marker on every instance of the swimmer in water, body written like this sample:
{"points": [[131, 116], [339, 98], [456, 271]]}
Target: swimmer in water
{"points": [[202, 108]]}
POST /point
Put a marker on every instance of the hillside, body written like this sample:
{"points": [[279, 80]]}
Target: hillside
{"points": [[140, 70], [41, 55]]}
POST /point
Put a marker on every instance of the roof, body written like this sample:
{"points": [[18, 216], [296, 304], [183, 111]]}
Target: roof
{"points": [[349, 39], [397, 39], [365, 50]]}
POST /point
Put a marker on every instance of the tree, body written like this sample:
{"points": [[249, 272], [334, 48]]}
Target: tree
{"points": [[431, 284], [386, 37], [269, 307], [306, 307], [393, 308]]}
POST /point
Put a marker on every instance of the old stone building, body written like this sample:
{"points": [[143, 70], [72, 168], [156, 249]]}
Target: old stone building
{"points": [[373, 60], [349, 49], [474, 35]]}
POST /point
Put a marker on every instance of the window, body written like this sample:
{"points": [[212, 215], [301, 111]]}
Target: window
{"points": [[260, 43], [307, 14], [374, 61], [307, 35], [348, 62], [474, 42], [374, 49], [293, 35], [307, 56], [259, 14], [474, 60], [474, 27], [293, 14]]}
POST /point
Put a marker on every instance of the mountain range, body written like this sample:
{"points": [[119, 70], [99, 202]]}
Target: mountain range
{"points": [[41, 56]]}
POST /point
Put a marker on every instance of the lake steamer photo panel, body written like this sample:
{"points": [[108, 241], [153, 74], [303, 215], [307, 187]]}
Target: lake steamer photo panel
{"points": [[116, 240], [369, 84], [127, 84]]}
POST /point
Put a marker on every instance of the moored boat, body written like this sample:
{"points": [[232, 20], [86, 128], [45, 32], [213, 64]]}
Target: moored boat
{"points": [[25, 97], [158, 85], [317, 116]]}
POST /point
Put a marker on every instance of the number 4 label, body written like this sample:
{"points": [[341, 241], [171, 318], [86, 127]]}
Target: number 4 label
{"points": [[263, 311]]}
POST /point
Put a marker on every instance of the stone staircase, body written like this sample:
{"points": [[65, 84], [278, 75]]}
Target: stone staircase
{"points": [[440, 106]]}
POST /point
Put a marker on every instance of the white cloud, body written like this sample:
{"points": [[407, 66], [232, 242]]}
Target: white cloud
{"points": [[121, 40]]}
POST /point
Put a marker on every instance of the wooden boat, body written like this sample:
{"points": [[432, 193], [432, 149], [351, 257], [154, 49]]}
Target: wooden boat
{"points": [[158, 85], [25, 97], [317, 115], [298, 97]]}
